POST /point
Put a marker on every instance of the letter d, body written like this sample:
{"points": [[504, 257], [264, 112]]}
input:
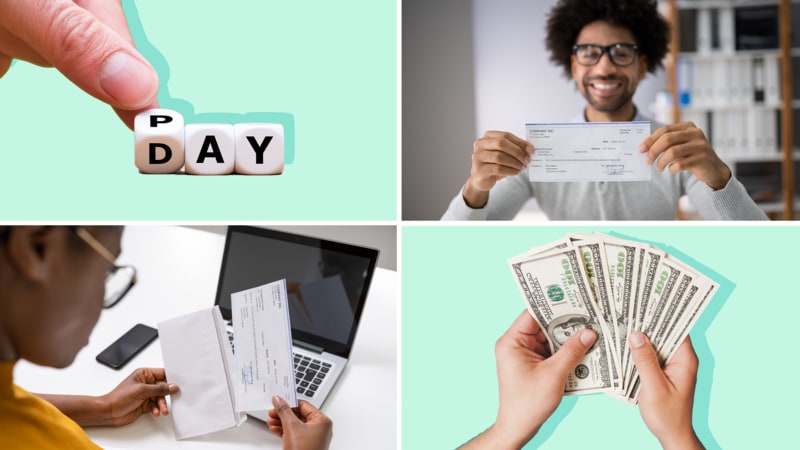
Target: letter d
{"points": [[167, 153]]}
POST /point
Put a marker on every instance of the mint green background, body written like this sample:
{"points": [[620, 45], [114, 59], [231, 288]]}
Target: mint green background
{"points": [[332, 65], [459, 297]]}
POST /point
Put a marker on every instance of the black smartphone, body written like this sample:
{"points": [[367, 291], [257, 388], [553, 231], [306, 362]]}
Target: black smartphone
{"points": [[125, 348]]}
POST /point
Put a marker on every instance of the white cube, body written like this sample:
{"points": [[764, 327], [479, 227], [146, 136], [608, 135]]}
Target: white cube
{"points": [[259, 148], [210, 149], [159, 141]]}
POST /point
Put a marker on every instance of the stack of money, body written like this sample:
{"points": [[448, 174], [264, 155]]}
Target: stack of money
{"points": [[613, 286]]}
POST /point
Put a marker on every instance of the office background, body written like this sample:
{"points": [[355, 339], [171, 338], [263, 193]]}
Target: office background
{"points": [[469, 67]]}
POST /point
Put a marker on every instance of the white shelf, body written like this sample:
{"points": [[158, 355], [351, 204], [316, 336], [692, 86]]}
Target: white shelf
{"points": [[772, 157], [757, 107], [704, 4]]}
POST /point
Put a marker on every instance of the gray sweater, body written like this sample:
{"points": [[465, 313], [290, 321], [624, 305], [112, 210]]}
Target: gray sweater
{"points": [[656, 199]]}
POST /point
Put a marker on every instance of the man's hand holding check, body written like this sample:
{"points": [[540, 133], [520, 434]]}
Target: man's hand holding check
{"points": [[683, 146], [676, 147]]}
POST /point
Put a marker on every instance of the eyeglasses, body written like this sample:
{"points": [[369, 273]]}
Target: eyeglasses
{"points": [[119, 279], [621, 54]]}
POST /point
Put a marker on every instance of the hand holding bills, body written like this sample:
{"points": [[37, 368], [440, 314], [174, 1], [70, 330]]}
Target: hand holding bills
{"points": [[614, 287]]}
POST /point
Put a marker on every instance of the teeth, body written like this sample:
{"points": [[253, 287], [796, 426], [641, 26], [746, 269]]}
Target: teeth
{"points": [[605, 87]]}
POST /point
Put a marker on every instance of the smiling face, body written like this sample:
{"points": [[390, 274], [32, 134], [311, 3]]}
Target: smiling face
{"points": [[608, 88]]}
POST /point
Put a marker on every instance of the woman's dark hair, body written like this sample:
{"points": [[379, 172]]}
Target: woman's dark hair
{"points": [[641, 17]]}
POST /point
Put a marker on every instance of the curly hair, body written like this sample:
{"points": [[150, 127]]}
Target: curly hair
{"points": [[641, 17]]}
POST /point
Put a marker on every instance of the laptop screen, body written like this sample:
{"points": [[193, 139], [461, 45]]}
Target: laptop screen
{"points": [[326, 281]]}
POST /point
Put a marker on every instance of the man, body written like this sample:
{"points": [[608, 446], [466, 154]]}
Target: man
{"points": [[606, 47], [51, 294]]}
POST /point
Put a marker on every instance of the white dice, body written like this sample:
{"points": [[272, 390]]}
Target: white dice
{"points": [[164, 145], [159, 141], [259, 148], [209, 149]]}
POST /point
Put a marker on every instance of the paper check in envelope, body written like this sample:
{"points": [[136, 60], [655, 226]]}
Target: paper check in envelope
{"points": [[262, 337], [593, 151]]}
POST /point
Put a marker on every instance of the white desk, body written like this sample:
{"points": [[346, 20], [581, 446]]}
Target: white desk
{"points": [[178, 270]]}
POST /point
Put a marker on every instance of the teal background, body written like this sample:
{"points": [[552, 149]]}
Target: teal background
{"points": [[326, 70], [459, 297]]}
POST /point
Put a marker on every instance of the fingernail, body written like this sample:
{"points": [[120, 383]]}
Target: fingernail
{"points": [[128, 80], [637, 340], [173, 388], [529, 149], [587, 337], [642, 148], [277, 401], [527, 160]]}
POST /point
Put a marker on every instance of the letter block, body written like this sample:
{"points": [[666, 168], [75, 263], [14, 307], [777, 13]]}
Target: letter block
{"points": [[159, 141], [209, 149], [259, 148], [163, 145]]}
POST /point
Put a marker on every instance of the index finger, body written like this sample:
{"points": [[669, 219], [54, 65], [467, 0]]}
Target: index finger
{"points": [[516, 140], [650, 140], [525, 324]]}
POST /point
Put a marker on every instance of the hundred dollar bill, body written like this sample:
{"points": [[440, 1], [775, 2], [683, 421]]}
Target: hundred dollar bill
{"points": [[624, 262], [672, 281], [647, 273], [594, 259], [558, 296]]}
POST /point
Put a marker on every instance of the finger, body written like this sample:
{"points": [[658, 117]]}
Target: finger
{"points": [[111, 14], [650, 140], [307, 410], [278, 431], [516, 140], [500, 158], [162, 406], [158, 373], [646, 362], [16, 47], [525, 324], [503, 145], [567, 357], [668, 141], [285, 413], [158, 389], [687, 163], [84, 49], [5, 64], [681, 369], [675, 153]]}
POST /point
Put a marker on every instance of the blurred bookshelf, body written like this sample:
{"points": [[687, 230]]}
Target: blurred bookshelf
{"points": [[727, 73]]}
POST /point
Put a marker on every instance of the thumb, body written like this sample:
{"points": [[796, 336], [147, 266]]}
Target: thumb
{"points": [[84, 49], [567, 357], [646, 360], [158, 389], [283, 410]]}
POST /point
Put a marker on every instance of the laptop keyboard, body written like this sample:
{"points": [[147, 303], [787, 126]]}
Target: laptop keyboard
{"points": [[309, 374]]}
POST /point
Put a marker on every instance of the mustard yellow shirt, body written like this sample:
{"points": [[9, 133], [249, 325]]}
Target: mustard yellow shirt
{"points": [[29, 422]]}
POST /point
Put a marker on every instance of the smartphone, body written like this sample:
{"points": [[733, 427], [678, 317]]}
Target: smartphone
{"points": [[125, 348]]}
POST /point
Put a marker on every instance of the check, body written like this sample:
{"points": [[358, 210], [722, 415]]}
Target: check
{"points": [[599, 151]]}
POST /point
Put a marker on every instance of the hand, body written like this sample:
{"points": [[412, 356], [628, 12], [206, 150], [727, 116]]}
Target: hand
{"points": [[302, 428], [683, 146], [666, 397], [86, 40], [531, 383], [141, 393], [496, 155]]}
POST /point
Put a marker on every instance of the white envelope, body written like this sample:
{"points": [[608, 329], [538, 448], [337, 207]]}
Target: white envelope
{"points": [[199, 359]]}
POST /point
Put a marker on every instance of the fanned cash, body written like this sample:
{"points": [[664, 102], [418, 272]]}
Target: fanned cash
{"points": [[615, 287]]}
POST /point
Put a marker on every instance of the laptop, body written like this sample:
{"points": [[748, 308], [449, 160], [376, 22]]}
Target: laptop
{"points": [[327, 284]]}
